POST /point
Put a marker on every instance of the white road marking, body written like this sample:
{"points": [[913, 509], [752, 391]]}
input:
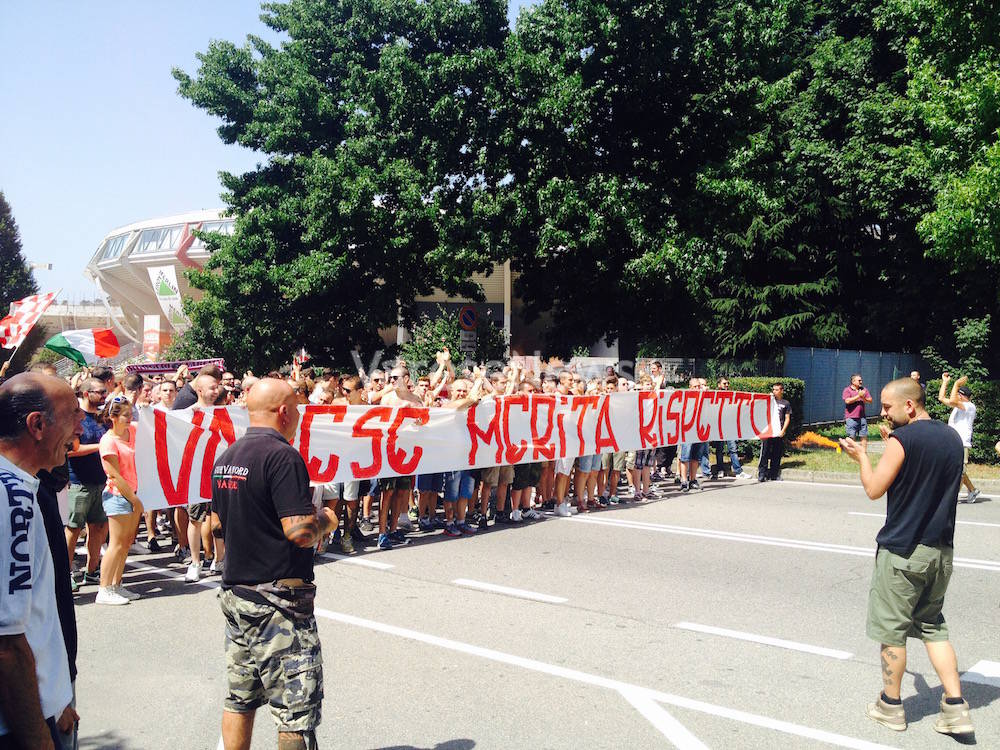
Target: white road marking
{"points": [[779, 642], [520, 593], [143, 568], [733, 536], [358, 561], [823, 484], [675, 732], [962, 523], [984, 673], [624, 688]]}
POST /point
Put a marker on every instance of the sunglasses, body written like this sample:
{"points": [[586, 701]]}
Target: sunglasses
{"points": [[378, 380], [394, 378], [100, 393]]}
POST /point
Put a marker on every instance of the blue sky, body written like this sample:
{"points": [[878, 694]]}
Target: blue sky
{"points": [[93, 134]]}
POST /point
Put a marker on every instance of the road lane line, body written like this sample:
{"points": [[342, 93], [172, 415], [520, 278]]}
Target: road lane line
{"points": [[358, 561], [984, 673], [961, 523], [675, 732], [520, 593], [731, 536], [779, 642], [144, 568], [555, 670]]}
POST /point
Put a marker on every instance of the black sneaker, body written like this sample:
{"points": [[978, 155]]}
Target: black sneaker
{"points": [[153, 546], [483, 523], [685, 487], [502, 517], [549, 505]]}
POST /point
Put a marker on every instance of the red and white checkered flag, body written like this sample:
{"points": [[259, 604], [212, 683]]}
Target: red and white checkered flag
{"points": [[24, 313]]}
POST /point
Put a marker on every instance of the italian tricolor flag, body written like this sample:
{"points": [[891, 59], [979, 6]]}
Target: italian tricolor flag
{"points": [[85, 346]]}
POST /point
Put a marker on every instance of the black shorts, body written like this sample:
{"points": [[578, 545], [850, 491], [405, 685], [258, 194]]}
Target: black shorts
{"points": [[198, 512], [526, 475]]}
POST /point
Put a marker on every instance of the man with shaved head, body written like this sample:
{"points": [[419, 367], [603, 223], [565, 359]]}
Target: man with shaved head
{"points": [[40, 420], [262, 506], [921, 470]]}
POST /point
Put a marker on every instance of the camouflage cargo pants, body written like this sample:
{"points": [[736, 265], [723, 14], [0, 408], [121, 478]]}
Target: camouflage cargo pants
{"points": [[275, 659]]}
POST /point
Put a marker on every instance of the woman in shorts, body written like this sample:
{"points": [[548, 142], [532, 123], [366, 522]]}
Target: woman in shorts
{"points": [[121, 504]]}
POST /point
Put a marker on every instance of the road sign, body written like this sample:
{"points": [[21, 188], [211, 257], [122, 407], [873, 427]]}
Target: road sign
{"points": [[467, 318]]}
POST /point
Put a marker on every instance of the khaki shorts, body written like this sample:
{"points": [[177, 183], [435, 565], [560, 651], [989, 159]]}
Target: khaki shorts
{"points": [[613, 461], [495, 476], [907, 594], [274, 659], [86, 505]]}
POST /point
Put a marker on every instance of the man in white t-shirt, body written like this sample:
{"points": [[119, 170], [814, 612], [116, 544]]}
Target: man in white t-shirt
{"points": [[39, 420], [963, 414]]}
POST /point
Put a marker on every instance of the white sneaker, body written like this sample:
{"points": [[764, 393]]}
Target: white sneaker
{"points": [[130, 595], [531, 514], [743, 475], [404, 522], [193, 572], [212, 567], [110, 596], [562, 510], [515, 516], [573, 510]]}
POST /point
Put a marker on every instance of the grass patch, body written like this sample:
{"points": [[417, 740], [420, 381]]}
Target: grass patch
{"points": [[825, 459]]}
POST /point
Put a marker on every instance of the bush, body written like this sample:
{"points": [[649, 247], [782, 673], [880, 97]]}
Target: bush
{"points": [[986, 430]]}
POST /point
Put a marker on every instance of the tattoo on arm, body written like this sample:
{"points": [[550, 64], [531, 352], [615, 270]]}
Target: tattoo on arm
{"points": [[302, 531]]}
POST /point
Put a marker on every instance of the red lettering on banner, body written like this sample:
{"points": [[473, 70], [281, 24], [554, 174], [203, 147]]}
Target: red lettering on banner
{"points": [[584, 403], [687, 424], [397, 457], [604, 419], [175, 494], [541, 447], [490, 435], [646, 428], [514, 453], [220, 427], [375, 434], [704, 433], [721, 396], [757, 397], [674, 416], [741, 398], [313, 464]]}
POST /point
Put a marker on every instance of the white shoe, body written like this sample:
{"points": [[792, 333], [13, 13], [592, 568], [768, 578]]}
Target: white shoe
{"points": [[573, 510], [404, 522], [515, 516], [193, 572], [110, 596], [562, 510], [743, 475], [130, 595]]}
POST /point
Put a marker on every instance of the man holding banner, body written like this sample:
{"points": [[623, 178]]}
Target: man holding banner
{"points": [[261, 506]]}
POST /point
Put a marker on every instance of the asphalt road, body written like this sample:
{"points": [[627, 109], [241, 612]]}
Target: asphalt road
{"points": [[730, 618]]}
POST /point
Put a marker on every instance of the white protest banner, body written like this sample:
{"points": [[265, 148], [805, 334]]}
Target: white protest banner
{"points": [[164, 281], [176, 450]]}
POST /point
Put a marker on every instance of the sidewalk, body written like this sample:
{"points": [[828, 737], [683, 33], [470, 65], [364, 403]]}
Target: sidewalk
{"points": [[988, 486]]}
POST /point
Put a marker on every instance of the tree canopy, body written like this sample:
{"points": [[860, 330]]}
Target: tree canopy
{"points": [[729, 176]]}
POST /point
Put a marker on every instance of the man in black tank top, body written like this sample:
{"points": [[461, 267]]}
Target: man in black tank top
{"points": [[921, 470]]}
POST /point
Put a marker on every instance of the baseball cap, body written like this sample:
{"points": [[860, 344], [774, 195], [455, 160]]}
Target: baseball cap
{"points": [[965, 391]]}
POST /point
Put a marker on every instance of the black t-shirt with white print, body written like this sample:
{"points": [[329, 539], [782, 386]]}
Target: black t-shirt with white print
{"points": [[259, 480]]}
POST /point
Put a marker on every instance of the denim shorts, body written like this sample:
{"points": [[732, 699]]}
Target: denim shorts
{"points": [[459, 485], [856, 427], [430, 482], [587, 464], [115, 505], [693, 451]]}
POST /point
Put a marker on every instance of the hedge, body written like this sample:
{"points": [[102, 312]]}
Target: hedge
{"points": [[986, 430]]}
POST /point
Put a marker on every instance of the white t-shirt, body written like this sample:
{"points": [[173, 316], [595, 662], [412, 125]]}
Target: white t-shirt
{"points": [[27, 587], [961, 421]]}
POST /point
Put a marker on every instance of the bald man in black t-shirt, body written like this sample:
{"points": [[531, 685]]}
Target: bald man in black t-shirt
{"points": [[920, 470], [262, 506]]}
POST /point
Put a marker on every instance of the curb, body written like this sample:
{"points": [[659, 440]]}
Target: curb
{"points": [[988, 486]]}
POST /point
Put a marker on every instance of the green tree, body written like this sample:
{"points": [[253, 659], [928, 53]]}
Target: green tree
{"points": [[376, 118], [431, 333], [16, 280]]}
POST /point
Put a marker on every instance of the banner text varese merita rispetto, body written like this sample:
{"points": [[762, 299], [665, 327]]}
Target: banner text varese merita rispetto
{"points": [[176, 450]]}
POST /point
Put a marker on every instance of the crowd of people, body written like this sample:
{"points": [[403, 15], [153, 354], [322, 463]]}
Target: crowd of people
{"points": [[105, 505]]}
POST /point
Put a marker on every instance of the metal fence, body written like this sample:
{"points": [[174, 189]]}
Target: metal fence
{"points": [[827, 372]]}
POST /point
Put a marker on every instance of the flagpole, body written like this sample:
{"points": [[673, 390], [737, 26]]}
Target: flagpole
{"points": [[6, 364]]}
